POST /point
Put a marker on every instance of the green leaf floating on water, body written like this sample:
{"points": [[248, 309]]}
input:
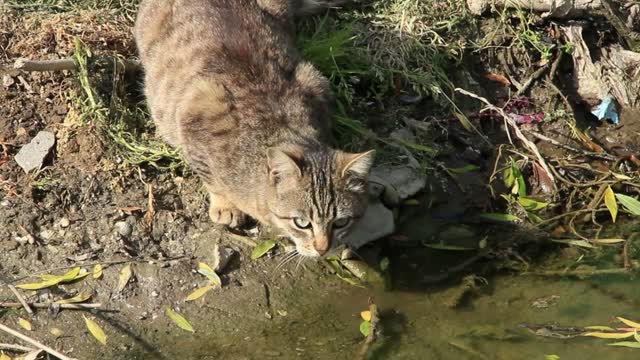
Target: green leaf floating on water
{"points": [[365, 328], [632, 205], [262, 248], [179, 320]]}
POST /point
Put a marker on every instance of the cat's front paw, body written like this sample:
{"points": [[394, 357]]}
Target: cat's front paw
{"points": [[227, 216]]}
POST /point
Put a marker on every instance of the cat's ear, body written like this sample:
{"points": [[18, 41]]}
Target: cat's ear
{"points": [[356, 164], [282, 165]]}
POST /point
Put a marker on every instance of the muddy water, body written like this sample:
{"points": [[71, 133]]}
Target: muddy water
{"points": [[322, 321]]}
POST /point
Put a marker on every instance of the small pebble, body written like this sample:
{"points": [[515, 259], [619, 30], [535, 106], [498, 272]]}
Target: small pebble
{"points": [[64, 222], [154, 294], [124, 228]]}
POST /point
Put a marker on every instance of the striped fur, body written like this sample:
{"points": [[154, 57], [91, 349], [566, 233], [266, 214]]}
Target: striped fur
{"points": [[225, 84]]}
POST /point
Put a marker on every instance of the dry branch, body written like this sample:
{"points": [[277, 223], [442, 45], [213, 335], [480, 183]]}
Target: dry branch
{"points": [[21, 299], [15, 347], [45, 65], [34, 342], [549, 8], [46, 305]]}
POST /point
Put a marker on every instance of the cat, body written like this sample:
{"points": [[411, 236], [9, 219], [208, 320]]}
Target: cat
{"points": [[225, 83]]}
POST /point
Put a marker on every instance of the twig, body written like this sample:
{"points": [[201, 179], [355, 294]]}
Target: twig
{"points": [[604, 156], [373, 330], [16, 347], [46, 305], [528, 144], [34, 342], [241, 239], [21, 299], [536, 75], [45, 65]]}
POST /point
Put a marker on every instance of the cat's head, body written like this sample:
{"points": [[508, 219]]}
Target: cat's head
{"points": [[318, 196]]}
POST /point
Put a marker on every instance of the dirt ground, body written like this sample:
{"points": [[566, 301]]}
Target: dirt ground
{"points": [[86, 207]]}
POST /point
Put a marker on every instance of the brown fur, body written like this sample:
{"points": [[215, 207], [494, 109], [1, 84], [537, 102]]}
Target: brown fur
{"points": [[225, 84]]}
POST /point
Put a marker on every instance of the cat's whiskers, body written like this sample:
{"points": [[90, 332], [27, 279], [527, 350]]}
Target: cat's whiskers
{"points": [[286, 259], [300, 261]]}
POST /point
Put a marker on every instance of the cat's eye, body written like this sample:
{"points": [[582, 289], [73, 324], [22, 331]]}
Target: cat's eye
{"points": [[341, 222], [302, 223]]}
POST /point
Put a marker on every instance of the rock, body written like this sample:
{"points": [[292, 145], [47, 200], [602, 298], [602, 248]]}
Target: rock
{"points": [[220, 258], [32, 155], [7, 80], [124, 228], [376, 223], [406, 180], [64, 222]]}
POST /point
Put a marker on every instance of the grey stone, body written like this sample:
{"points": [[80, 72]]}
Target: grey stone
{"points": [[124, 228], [32, 155], [220, 258]]}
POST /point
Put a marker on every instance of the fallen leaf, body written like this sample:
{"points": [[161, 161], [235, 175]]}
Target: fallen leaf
{"points": [[497, 78], [632, 205], [603, 335], [179, 320], [621, 176], [597, 327], [25, 324], [500, 217], [365, 328], [198, 293], [629, 344], [551, 357], [464, 169], [580, 243], [442, 246], [262, 248], [124, 277], [419, 147], [206, 270], [366, 315], [608, 241], [56, 332], [95, 330], [4, 356], [530, 204], [76, 299], [411, 202], [97, 271], [629, 323], [610, 201], [586, 140], [147, 220], [51, 280]]}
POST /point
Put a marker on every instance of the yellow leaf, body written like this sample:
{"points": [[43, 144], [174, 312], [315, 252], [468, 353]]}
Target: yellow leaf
{"points": [[4, 356], [179, 320], [95, 330], [603, 335], [26, 324], [621, 176], [610, 201], [37, 286], [97, 271], [124, 277], [56, 332], [366, 315], [76, 299], [608, 241], [629, 323], [464, 121], [198, 293], [206, 270]]}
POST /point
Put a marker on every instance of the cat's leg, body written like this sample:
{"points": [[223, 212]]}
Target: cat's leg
{"points": [[222, 211], [310, 7]]}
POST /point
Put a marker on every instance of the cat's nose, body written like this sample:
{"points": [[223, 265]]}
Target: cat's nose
{"points": [[321, 244]]}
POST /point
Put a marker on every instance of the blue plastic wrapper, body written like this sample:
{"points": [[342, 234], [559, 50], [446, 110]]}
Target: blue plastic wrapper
{"points": [[607, 110]]}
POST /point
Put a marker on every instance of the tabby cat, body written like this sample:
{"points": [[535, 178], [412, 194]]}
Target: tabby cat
{"points": [[225, 83]]}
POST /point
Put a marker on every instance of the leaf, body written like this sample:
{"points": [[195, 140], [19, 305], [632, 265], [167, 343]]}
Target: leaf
{"points": [[442, 246], [365, 328], [597, 327], [608, 241], [632, 205], [4, 356], [384, 264], [500, 217], [464, 121], [262, 248], [198, 293], [179, 320], [497, 78], [419, 147], [37, 286], [629, 323], [621, 176], [51, 280], [464, 169], [411, 202], [76, 299], [610, 201], [581, 243], [25, 324], [366, 315], [604, 335], [124, 277], [551, 357], [70, 275], [95, 330], [530, 204], [629, 344], [97, 271], [206, 270]]}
